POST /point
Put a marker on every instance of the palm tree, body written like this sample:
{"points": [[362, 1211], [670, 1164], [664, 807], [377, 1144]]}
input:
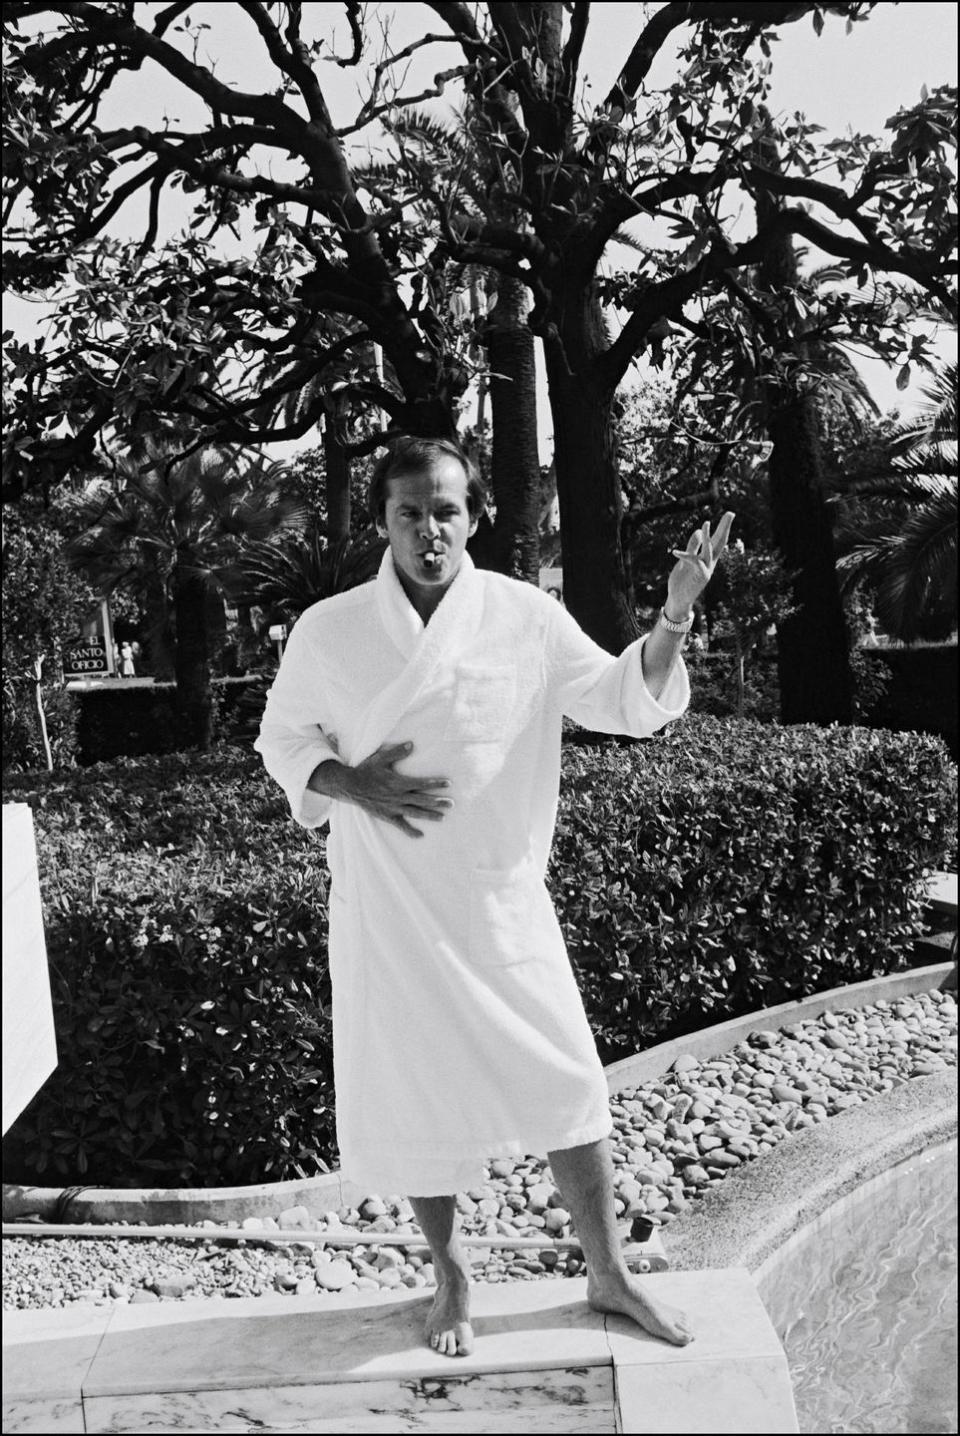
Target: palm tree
{"points": [[898, 525], [172, 530], [443, 161], [287, 575]]}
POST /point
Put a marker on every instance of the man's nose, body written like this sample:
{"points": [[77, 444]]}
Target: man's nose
{"points": [[429, 527]]}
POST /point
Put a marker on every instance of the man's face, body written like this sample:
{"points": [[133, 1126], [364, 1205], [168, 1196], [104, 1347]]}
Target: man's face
{"points": [[428, 522]]}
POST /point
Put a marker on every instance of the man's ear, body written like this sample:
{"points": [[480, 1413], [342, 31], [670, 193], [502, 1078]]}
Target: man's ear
{"points": [[474, 524]]}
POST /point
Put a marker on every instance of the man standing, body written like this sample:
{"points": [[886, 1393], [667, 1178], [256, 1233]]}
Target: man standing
{"points": [[421, 716]]}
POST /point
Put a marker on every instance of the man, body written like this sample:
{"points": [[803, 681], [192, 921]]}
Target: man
{"points": [[421, 716]]}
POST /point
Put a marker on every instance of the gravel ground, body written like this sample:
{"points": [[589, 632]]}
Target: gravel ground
{"points": [[673, 1139]]}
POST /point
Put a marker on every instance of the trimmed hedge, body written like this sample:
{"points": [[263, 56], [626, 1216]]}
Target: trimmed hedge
{"points": [[730, 866], [714, 869], [128, 722]]}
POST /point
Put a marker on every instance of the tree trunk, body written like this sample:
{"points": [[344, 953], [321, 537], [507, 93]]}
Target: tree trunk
{"points": [[813, 653], [813, 648], [192, 660], [595, 585], [337, 466], [515, 459], [41, 713]]}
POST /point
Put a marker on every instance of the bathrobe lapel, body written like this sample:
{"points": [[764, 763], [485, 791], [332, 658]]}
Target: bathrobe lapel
{"points": [[424, 647]]}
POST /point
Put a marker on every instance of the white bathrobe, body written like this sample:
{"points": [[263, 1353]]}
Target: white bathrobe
{"points": [[459, 1033]]}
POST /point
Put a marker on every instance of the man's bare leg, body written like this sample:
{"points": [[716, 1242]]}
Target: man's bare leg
{"points": [[448, 1326], [585, 1178]]}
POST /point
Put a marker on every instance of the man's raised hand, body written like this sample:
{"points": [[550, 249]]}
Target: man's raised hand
{"points": [[396, 798], [695, 564]]}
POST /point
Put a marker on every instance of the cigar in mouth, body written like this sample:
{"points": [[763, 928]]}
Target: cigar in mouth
{"points": [[431, 559]]}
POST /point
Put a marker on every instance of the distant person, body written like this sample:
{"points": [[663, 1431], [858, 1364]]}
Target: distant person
{"points": [[116, 660], [555, 593], [128, 668]]}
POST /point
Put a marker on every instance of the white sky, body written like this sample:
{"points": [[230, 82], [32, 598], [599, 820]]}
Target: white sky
{"points": [[843, 82]]}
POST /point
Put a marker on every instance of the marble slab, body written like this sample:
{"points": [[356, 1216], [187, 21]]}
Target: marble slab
{"points": [[733, 1377], [44, 1417], [206, 1346], [558, 1400], [47, 1354], [739, 1395], [728, 1317]]}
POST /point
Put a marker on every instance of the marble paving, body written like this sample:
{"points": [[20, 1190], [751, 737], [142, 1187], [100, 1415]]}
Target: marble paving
{"points": [[544, 1362]]}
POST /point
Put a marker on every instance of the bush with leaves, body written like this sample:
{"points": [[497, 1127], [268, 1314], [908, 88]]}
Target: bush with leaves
{"points": [[729, 866], [713, 870], [44, 606], [185, 920]]}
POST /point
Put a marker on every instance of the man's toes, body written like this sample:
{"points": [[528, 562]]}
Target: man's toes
{"points": [[464, 1339]]}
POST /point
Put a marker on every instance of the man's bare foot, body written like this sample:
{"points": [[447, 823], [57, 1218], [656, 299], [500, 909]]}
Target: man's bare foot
{"points": [[448, 1328], [628, 1297]]}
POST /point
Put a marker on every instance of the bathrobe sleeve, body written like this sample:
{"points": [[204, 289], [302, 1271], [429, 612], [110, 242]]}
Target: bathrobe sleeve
{"points": [[293, 739], [605, 693]]}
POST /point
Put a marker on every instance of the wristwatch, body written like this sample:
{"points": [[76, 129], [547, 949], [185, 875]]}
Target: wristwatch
{"points": [[672, 627]]}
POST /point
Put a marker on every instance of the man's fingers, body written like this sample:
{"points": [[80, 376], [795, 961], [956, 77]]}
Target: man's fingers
{"points": [[390, 753], [723, 532], [406, 827]]}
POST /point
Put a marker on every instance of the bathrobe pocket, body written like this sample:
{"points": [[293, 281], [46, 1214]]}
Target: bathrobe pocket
{"points": [[507, 918], [483, 700]]}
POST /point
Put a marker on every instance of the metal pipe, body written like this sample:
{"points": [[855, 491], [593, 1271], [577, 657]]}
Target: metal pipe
{"points": [[290, 1234]]}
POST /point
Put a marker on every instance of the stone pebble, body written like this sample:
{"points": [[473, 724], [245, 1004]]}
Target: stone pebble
{"points": [[673, 1138]]}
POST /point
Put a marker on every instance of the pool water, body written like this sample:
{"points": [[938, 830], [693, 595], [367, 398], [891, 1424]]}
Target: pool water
{"points": [[864, 1300]]}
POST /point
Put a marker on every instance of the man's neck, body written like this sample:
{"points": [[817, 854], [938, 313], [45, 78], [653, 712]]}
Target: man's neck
{"points": [[425, 601]]}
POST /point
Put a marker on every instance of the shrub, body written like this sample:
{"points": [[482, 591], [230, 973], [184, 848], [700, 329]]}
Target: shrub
{"points": [[128, 722], [713, 686], [717, 868], [725, 867], [186, 932]]}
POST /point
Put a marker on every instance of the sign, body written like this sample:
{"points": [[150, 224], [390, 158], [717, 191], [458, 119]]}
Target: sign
{"points": [[86, 657]]}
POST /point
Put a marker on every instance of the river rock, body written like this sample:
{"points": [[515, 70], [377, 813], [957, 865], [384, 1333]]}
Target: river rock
{"points": [[173, 1284], [686, 1062], [335, 1275], [295, 1217], [556, 1219], [783, 1093], [696, 1175], [373, 1208]]}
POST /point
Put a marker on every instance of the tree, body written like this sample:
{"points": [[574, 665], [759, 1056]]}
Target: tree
{"points": [[755, 594], [495, 306], [181, 525], [44, 607], [898, 525], [680, 161]]}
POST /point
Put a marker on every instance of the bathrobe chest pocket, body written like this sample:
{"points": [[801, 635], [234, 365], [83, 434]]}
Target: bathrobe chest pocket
{"points": [[483, 699]]}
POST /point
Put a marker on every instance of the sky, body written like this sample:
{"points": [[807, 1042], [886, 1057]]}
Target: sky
{"points": [[841, 81]]}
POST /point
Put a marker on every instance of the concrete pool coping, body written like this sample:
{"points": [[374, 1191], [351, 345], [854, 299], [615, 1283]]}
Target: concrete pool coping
{"points": [[756, 1210], [155, 1206]]}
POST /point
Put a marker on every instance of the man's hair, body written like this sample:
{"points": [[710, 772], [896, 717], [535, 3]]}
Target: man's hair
{"points": [[408, 455]]}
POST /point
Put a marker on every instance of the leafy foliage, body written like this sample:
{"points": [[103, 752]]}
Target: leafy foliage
{"points": [[696, 876], [898, 525], [704, 875], [44, 605]]}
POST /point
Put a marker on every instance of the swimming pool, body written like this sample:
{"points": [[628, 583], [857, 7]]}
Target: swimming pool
{"points": [[864, 1300]]}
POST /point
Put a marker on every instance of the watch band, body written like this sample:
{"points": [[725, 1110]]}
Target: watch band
{"points": [[672, 627]]}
